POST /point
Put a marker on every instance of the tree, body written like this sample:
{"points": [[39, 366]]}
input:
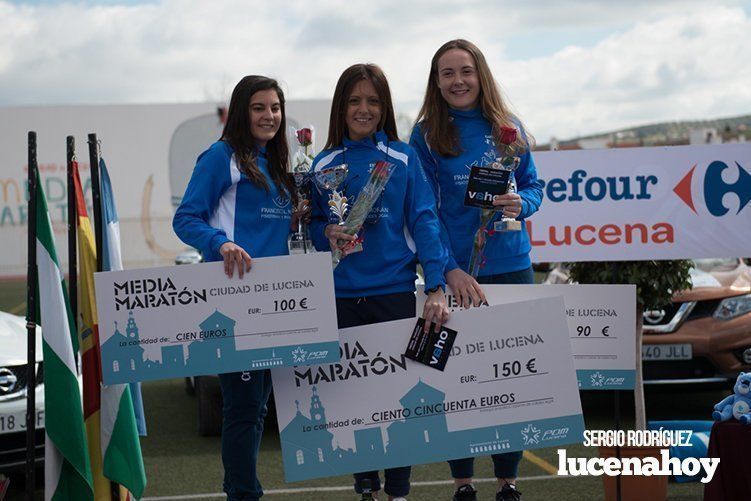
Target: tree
{"points": [[656, 283]]}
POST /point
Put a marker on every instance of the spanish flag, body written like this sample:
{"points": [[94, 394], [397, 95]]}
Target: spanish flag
{"points": [[112, 427]]}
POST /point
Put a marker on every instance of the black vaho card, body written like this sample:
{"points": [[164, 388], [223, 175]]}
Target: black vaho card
{"points": [[485, 183], [431, 348]]}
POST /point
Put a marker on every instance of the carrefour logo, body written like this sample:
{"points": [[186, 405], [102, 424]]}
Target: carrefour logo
{"points": [[715, 188], [580, 186]]}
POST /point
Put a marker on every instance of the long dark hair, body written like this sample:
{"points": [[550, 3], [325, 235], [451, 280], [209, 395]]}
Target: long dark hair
{"points": [[237, 134], [347, 82], [442, 135]]}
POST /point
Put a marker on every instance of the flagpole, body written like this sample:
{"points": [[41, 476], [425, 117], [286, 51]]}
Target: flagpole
{"points": [[96, 194], [72, 232], [96, 200], [31, 288]]}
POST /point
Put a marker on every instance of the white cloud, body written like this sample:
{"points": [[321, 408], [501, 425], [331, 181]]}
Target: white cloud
{"points": [[651, 61], [686, 66]]}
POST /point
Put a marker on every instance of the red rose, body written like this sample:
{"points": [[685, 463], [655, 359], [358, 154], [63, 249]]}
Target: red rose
{"points": [[508, 135], [304, 136]]}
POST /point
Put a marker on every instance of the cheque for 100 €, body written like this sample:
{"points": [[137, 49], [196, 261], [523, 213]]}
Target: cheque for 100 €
{"points": [[191, 320]]}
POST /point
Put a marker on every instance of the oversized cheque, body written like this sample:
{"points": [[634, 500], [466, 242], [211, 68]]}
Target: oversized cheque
{"points": [[502, 390], [189, 320], [602, 327]]}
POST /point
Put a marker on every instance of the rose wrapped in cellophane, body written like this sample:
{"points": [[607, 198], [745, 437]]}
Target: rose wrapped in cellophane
{"points": [[379, 176], [507, 161]]}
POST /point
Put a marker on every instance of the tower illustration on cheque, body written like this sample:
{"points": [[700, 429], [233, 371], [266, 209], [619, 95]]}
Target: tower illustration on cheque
{"points": [[310, 449], [126, 357]]}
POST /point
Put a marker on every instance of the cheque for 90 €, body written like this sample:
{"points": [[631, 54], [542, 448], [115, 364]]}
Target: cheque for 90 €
{"points": [[509, 385], [190, 320]]}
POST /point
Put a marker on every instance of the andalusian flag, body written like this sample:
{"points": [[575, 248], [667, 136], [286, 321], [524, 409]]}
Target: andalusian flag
{"points": [[113, 440], [67, 473], [112, 261]]}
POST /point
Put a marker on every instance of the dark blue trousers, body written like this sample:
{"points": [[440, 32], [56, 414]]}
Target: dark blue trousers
{"points": [[351, 312], [504, 465], [245, 395]]}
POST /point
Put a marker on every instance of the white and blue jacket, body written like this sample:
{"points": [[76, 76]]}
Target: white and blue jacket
{"points": [[222, 205], [504, 252], [401, 229]]}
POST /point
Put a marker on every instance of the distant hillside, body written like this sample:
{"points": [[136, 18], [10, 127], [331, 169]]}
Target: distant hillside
{"points": [[665, 133]]}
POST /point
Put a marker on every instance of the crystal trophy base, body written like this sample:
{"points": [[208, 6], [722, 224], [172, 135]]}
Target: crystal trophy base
{"points": [[507, 224], [298, 244]]}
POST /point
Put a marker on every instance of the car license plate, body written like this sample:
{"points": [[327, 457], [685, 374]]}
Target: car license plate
{"points": [[666, 352], [16, 421]]}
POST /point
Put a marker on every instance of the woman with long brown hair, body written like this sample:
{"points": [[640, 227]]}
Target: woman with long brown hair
{"points": [[459, 126], [377, 283], [238, 204]]}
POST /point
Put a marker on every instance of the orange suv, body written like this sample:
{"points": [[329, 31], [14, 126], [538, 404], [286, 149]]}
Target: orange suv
{"points": [[704, 336]]}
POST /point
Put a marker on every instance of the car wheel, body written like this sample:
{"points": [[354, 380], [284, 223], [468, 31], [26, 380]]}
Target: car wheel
{"points": [[209, 396], [190, 387]]}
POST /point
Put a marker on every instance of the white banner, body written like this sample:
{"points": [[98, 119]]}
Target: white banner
{"points": [[502, 390], [150, 151], [643, 203], [158, 323], [601, 323]]}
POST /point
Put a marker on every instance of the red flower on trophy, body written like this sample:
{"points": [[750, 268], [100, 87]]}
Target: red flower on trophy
{"points": [[508, 135], [304, 136]]}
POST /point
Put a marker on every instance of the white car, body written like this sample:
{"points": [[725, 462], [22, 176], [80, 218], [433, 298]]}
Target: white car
{"points": [[13, 390]]}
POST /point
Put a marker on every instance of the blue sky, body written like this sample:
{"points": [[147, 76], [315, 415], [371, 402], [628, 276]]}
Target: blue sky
{"points": [[568, 68]]}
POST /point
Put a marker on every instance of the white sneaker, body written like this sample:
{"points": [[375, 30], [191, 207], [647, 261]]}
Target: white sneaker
{"points": [[400, 499]]}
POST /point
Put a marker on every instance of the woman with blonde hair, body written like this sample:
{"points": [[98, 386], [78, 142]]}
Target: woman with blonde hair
{"points": [[460, 125]]}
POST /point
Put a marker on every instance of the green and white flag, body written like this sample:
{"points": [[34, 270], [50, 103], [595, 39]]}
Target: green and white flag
{"points": [[67, 473], [121, 449]]}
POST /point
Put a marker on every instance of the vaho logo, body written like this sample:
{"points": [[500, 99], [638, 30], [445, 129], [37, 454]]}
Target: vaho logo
{"points": [[482, 196], [438, 347], [715, 188]]}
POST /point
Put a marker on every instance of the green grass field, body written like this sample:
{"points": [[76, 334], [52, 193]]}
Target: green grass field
{"points": [[13, 296], [182, 465]]}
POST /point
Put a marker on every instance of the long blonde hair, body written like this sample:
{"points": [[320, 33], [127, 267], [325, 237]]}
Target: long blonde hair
{"points": [[441, 133]]}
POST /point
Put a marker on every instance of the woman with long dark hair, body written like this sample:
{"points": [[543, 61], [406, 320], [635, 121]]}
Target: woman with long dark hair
{"points": [[460, 125], [377, 283], [237, 205]]}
